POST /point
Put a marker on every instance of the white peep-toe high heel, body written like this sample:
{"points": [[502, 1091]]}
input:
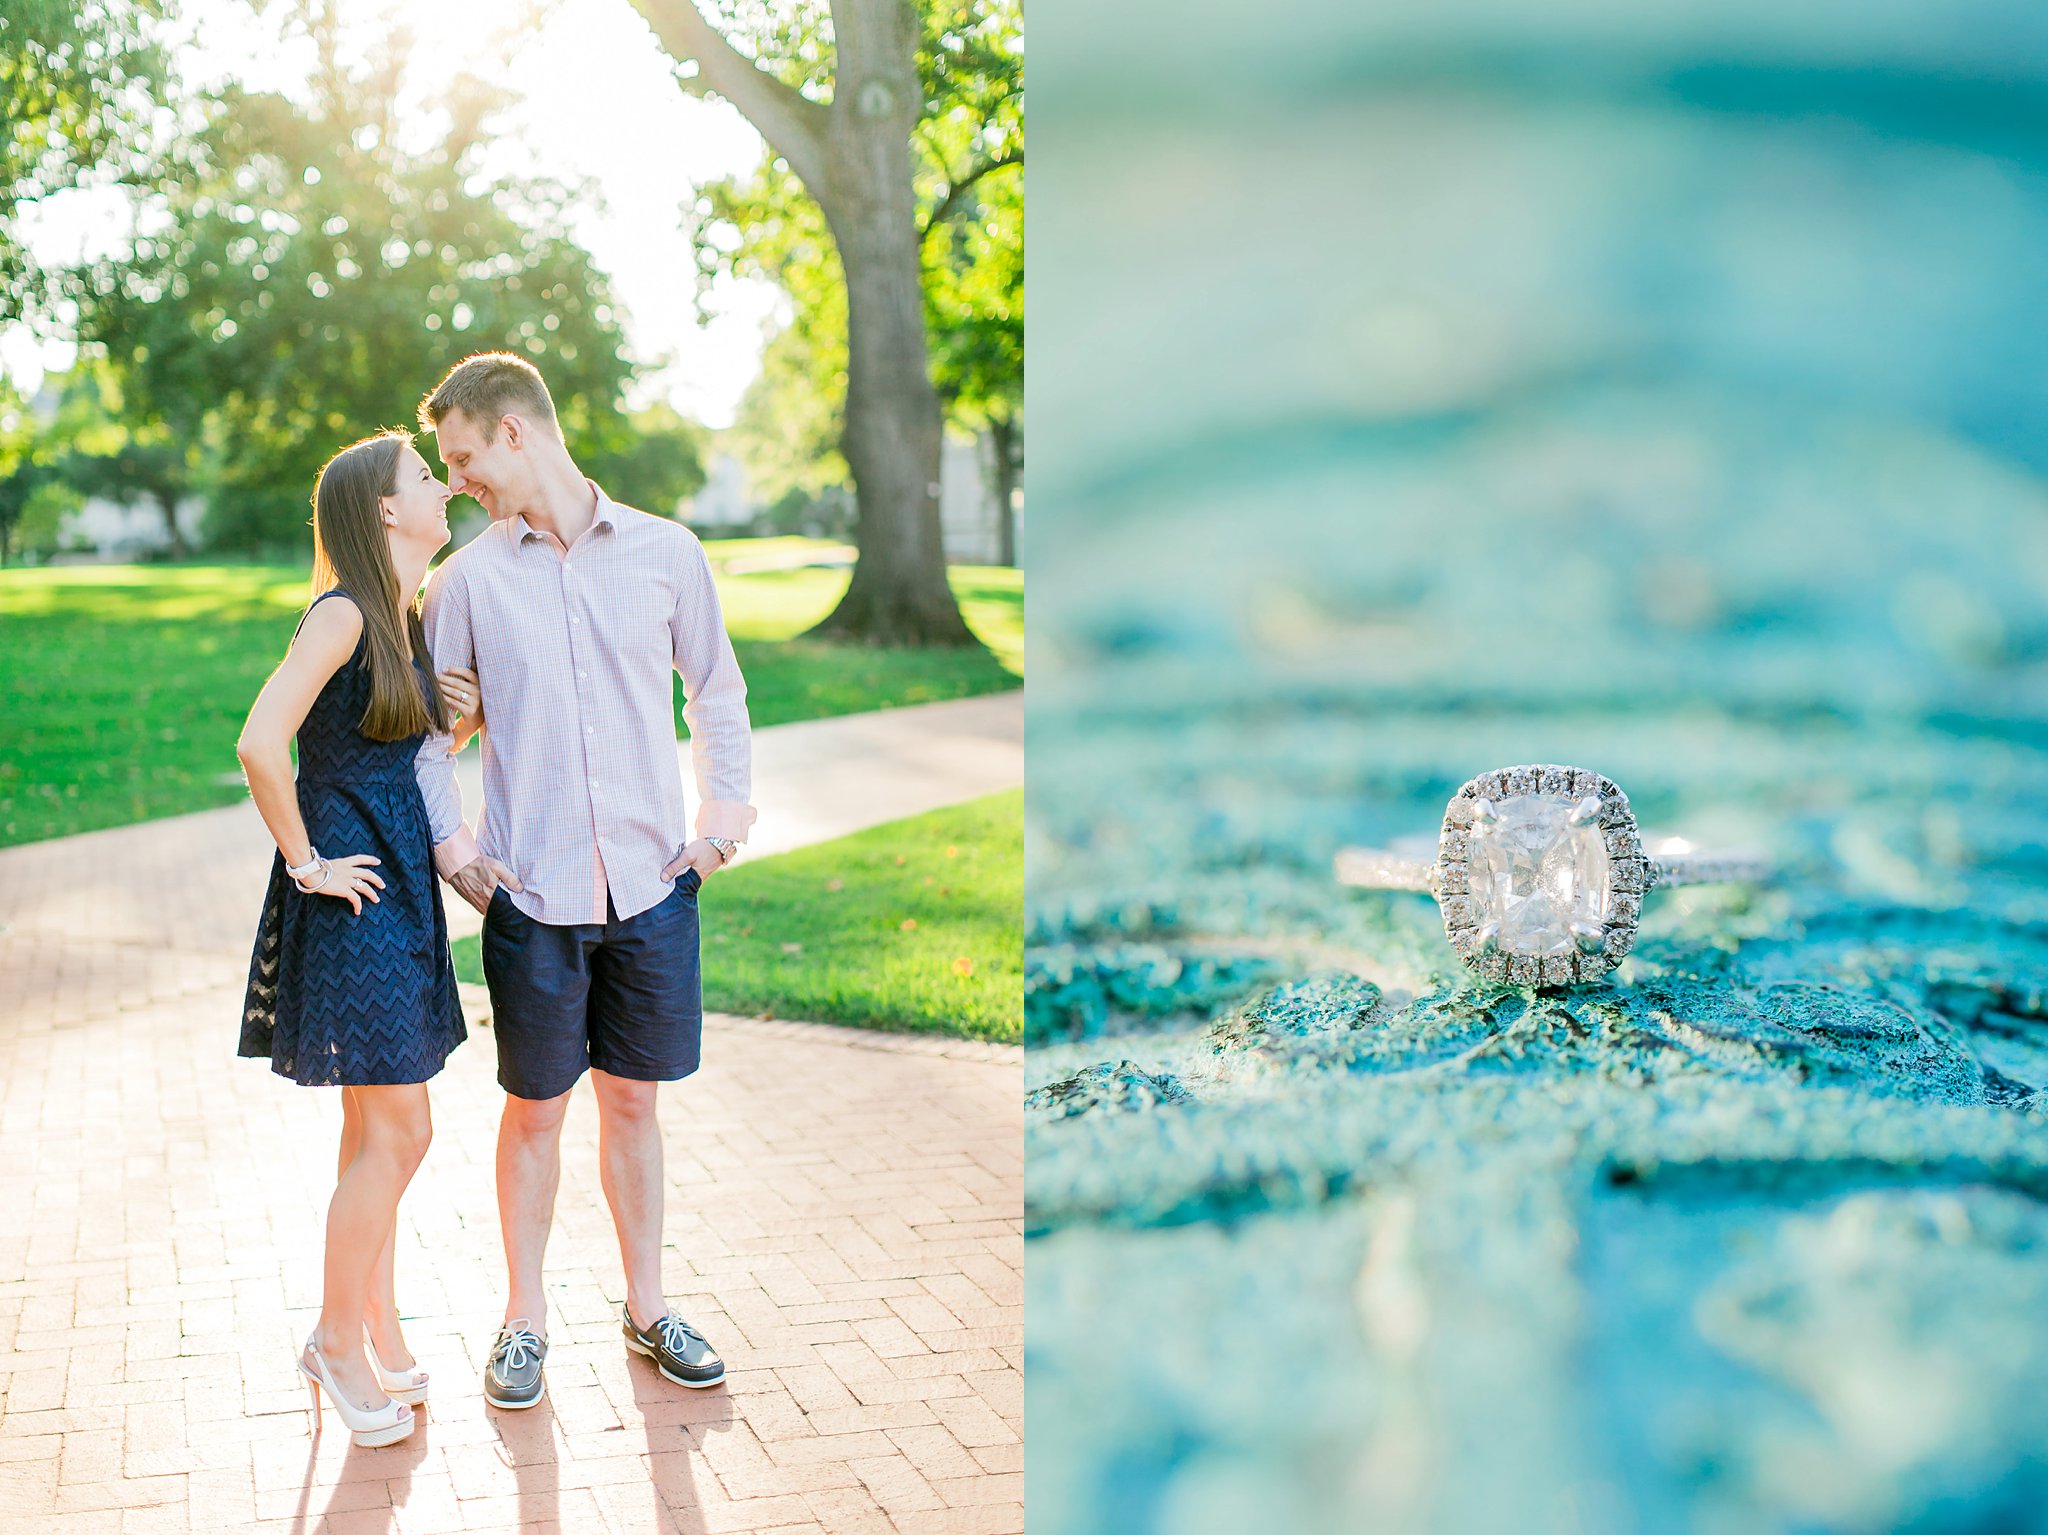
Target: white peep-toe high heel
{"points": [[407, 1385], [368, 1426]]}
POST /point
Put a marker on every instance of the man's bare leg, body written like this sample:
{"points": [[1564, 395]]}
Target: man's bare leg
{"points": [[629, 1163], [529, 1171]]}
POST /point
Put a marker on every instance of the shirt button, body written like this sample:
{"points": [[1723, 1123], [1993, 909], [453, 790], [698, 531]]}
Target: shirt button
{"points": [[574, 619], [593, 783], [590, 730]]}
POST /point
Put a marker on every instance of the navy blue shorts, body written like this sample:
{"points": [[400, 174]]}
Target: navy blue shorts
{"points": [[626, 997]]}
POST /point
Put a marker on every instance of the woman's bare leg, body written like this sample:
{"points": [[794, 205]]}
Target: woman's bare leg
{"points": [[392, 1129], [380, 1306]]}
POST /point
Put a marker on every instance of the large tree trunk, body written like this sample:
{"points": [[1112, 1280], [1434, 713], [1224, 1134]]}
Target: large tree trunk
{"points": [[168, 500], [1002, 432], [893, 428], [892, 432], [854, 158]]}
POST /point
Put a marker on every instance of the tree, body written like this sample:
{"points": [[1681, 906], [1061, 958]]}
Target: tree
{"points": [[973, 248], [974, 297], [159, 471], [96, 453], [313, 277], [20, 473], [973, 239], [659, 462], [846, 98], [78, 82], [787, 429], [33, 493]]}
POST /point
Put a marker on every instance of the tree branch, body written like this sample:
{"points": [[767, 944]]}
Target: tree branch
{"points": [[944, 210], [860, 46], [793, 126]]}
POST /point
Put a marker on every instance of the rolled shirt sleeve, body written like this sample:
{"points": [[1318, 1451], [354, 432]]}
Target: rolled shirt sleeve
{"points": [[446, 617], [715, 706]]}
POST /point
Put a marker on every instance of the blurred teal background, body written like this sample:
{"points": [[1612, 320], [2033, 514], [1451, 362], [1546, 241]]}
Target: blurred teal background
{"points": [[1660, 390]]}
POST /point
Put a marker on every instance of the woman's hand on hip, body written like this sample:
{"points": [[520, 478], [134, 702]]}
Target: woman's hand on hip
{"points": [[349, 879]]}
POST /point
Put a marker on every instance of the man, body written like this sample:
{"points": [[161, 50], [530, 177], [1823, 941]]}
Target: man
{"points": [[572, 610]]}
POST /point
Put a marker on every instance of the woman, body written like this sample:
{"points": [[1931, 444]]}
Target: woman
{"points": [[351, 983]]}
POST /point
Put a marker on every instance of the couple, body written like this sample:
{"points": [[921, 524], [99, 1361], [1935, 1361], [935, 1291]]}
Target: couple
{"points": [[567, 616]]}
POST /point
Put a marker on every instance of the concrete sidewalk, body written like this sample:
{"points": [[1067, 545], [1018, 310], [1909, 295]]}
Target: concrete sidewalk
{"points": [[844, 1222], [194, 883]]}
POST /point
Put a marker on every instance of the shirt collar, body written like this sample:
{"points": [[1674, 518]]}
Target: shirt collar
{"points": [[607, 510]]}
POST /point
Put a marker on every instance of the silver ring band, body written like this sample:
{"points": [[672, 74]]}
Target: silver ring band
{"points": [[1410, 863]]}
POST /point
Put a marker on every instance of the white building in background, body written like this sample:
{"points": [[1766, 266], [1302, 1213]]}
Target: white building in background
{"points": [[968, 516], [113, 533], [970, 521], [723, 502]]}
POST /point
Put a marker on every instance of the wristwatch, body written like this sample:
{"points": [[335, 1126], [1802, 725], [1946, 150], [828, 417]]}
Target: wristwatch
{"points": [[726, 848]]}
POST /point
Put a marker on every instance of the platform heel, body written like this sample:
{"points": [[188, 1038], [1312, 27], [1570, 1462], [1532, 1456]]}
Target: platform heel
{"points": [[407, 1385], [368, 1427]]}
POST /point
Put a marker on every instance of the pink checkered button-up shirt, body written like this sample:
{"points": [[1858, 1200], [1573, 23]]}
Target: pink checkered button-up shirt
{"points": [[582, 792]]}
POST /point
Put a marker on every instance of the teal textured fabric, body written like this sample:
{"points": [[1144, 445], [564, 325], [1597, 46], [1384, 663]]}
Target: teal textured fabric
{"points": [[1657, 394], [337, 997]]}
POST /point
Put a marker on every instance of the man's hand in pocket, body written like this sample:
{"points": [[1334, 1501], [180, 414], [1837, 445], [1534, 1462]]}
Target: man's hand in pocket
{"points": [[478, 879], [699, 855]]}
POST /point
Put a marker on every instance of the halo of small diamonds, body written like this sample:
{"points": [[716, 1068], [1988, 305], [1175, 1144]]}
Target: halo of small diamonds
{"points": [[1628, 875]]}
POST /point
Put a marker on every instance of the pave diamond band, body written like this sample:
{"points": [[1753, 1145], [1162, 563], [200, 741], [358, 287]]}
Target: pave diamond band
{"points": [[1410, 864], [1540, 873]]}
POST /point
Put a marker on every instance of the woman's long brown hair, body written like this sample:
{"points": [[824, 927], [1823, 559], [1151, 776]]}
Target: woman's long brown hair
{"points": [[351, 551]]}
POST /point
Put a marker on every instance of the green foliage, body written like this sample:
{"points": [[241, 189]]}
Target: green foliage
{"points": [[912, 925], [790, 39], [51, 498], [19, 489], [17, 475], [48, 467], [78, 84], [101, 455], [34, 494], [654, 464], [787, 429], [154, 469], [313, 276], [972, 142], [968, 154]]}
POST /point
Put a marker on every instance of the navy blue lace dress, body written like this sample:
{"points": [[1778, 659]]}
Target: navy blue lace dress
{"points": [[340, 999]]}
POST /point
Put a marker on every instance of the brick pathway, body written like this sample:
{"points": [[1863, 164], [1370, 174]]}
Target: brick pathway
{"points": [[845, 1223]]}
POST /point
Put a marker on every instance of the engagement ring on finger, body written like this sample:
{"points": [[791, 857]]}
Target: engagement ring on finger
{"points": [[1540, 873]]}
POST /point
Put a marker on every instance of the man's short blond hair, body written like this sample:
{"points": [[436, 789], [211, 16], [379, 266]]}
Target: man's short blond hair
{"points": [[488, 387]]}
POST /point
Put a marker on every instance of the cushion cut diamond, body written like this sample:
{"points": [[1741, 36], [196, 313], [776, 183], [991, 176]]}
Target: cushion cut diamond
{"points": [[1538, 875]]}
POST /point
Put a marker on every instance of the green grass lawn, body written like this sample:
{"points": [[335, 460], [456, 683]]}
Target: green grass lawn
{"points": [[125, 686], [723, 551], [915, 925], [795, 679]]}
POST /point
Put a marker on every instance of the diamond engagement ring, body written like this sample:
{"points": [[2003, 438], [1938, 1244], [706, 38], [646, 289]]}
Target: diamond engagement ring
{"points": [[1540, 873]]}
